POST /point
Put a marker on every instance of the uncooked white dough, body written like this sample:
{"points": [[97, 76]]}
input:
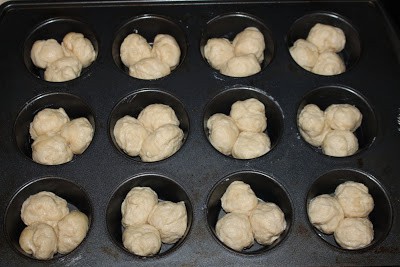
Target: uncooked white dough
{"points": [[78, 133], [250, 41], [166, 49], [329, 63], [339, 143], [44, 207], [234, 230], [304, 53], [142, 240], [40, 240], [325, 213], [218, 51], [327, 38], [241, 66], [133, 49], [75, 44], [149, 69], [223, 132], [354, 199], [249, 115], [72, 229], [354, 233], [48, 121], [250, 145], [267, 222], [129, 134], [312, 124], [63, 69], [239, 198], [51, 150], [137, 205], [162, 143], [44, 52], [170, 219], [343, 117], [154, 116]]}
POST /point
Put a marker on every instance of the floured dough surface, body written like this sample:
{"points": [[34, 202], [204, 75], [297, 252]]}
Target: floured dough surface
{"points": [[355, 199], [354, 233], [325, 213], [154, 116], [343, 117], [142, 240], [338, 143], [72, 229], [239, 198], [249, 115], [167, 50], [51, 150], [78, 133], [44, 52], [327, 38], [304, 53], [329, 63], [48, 121], [312, 125], [223, 132], [218, 51], [149, 69], [250, 145], [241, 66], [75, 44], [133, 49], [63, 69], [250, 41]]}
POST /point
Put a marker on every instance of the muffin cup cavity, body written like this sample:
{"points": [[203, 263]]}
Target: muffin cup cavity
{"points": [[381, 215], [166, 189]]}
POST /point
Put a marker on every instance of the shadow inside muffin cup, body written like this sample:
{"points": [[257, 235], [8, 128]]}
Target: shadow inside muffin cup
{"points": [[166, 189], [74, 106], [56, 28], [265, 188], [229, 25], [76, 197], [148, 26], [301, 27], [223, 101], [135, 102], [380, 216]]}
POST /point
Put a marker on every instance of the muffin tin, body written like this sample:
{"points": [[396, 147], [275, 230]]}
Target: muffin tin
{"points": [[289, 175]]}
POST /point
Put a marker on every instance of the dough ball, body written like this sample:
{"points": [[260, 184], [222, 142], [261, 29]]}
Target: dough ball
{"points": [[325, 213], [338, 143], [354, 233], [239, 198], [170, 219], [267, 222], [149, 69], [251, 145], [156, 115], [44, 207], [223, 132], [142, 240], [72, 229], [249, 115], [40, 240], [241, 66], [162, 143], [167, 50], [133, 49], [63, 69], [343, 117], [44, 52], [48, 121], [312, 125], [77, 45], [78, 133], [328, 63], [234, 230], [218, 51], [51, 150], [250, 41], [354, 199], [137, 205], [304, 53], [327, 38], [129, 134]]}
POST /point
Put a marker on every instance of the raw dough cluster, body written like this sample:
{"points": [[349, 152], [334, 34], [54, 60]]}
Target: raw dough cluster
{"points": [[155, 134], [248, 218], [149, 222], [57, 138], [318, 53], [63, 62], [240, 58], [146, 62], [241, 134], [51, 227], [332, 129], [344, 214]]}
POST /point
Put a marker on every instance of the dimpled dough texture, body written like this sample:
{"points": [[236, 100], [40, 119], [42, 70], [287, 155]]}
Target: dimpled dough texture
{"points": [[250, 41], [338, 143], [239, 198], [354, 199], [63, 69], [137, 205], [327, 38], [249, 115], [154, 116], [133, 49], [223, 132], [44, 52], [304, 53], [218, 51], [325, 213], [51, 150], [312, 124], [251, 145], [142, 240], [343, 117], [167, 50], [75, 44], [72, 230], [234, 230], [78, 133], [170, 219], [354, 233], [48, 121]]}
